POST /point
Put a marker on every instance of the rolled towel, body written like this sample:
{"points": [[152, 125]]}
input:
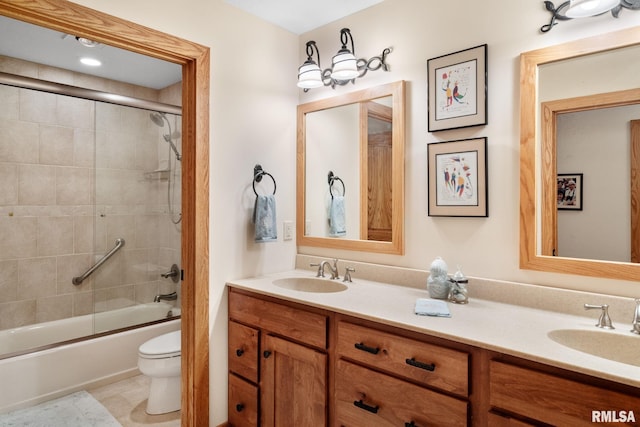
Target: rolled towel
{"points": [[337, 217], [264, 218]]}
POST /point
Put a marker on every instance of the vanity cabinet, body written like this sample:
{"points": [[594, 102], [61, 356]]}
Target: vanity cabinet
{"points": [[385, 379], [541, 396], [278, 363], [294, 365]]}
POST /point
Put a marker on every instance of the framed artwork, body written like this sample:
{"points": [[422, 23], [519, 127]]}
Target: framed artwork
{"points": [[570, 187], [457, 95], [457, 172]]}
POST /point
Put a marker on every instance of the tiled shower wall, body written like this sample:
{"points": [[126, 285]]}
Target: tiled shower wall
{"points": [[75, 175]]}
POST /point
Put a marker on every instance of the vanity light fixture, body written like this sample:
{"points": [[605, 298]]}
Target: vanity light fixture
{"points": [[345, 67], [584, 8]]}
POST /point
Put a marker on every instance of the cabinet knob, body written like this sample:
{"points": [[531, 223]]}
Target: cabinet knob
{"points": [[240, 407], [239, 352], [266, 354]]}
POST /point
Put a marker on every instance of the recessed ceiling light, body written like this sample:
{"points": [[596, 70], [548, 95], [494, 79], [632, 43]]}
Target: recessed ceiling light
{"points": [[91, 62], [87, 42]]}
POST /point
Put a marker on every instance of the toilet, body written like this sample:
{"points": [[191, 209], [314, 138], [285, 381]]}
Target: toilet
{"points": [[159, 358]]}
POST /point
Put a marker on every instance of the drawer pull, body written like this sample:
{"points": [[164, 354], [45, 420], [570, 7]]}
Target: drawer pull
{"points": [[360, 404], [421, 365], [239, 352], [266, 354], [239, 407], [361, 346]]}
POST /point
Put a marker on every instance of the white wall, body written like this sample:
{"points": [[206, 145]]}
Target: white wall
{"points": [[253, 120], [418, 30], [253, 99]]}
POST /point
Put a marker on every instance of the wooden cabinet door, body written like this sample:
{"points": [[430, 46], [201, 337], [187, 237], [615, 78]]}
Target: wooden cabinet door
{"points": [[294, 384]]}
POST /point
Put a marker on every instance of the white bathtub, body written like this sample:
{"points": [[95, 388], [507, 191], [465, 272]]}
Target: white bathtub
{"points": [[42, 334], [35, 377]]}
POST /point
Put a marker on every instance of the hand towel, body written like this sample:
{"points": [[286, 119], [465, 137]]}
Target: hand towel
{"points": [[337, 217], [264, 218], [432, 307]]}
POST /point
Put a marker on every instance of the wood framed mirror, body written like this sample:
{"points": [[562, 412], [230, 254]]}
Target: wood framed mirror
{"points": [[359, 138], [71, 18], [538, 169]]}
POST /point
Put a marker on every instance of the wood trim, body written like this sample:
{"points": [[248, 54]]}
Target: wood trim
{"points": [[529, 61], [71, 18], [396, 246], [635, 190], [363, 113]]}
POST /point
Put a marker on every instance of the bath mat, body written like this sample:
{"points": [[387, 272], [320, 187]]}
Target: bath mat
{"points": [[79, 409]]}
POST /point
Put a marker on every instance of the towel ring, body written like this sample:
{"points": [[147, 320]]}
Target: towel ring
{"points": [[332, 178], [258, 173]]}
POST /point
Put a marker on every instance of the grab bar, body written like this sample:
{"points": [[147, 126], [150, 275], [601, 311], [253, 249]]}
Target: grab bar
{"points": [[79, 279]]}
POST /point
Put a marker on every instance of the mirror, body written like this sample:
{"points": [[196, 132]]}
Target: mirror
{"points": [[552, 110], [350, 167]]}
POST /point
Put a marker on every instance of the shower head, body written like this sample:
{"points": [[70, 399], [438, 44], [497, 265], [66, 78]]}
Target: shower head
{"points": [[158, 119]]}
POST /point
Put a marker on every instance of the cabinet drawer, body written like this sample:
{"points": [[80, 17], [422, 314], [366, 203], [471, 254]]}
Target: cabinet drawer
{"points": [[552, 399], [294, 323], [243, 403], [243, 351], [368, 398], [429, 364]]}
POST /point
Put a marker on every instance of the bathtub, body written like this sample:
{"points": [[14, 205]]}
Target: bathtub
{"points": [[46, 333], [35, 377]]}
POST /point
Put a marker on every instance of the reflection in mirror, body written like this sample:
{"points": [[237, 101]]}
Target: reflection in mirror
{"points": [[359, 137], [583, 137], [564, 89]]}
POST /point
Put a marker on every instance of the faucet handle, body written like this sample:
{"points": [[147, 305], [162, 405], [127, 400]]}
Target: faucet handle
{"points": [[636, 318], [347, 274], [320, 269], [604, 321]]}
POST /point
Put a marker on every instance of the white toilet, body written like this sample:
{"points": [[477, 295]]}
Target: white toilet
{"points": [[159, 358]]}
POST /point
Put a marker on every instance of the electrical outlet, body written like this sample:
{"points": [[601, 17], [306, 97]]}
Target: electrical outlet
{"points": [[287, 230]]}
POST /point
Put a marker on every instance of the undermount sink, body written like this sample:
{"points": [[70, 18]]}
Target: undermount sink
{"points": [[310, 284], [605, 344]]}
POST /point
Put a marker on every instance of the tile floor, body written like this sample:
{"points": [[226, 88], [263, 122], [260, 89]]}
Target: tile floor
{"points": [[127, 399]]}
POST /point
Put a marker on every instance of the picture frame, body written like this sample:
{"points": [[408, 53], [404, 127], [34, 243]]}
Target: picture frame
{"points": [[457, 89], [570, 187], [456, 194]]}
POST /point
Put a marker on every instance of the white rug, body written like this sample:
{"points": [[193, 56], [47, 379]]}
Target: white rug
{"points": [[79, 409]]}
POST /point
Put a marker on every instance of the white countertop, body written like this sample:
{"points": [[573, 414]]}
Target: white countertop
{"points": [[511, 329]]}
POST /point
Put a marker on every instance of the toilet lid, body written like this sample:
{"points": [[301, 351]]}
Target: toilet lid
{"points": [[166, 345]]}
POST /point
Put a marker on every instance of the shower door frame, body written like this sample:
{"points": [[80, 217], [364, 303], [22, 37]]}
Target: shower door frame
{"points": [[71, 18]]}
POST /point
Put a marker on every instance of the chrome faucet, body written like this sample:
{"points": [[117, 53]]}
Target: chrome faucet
{"points": [[166, 297], [604, 321], [333, 268], [636, 318]]}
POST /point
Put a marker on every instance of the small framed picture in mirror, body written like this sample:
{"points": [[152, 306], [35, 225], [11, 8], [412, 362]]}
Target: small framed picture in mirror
{"points": [[569, 193]]}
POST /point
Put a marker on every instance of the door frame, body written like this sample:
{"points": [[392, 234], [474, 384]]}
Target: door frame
{"points": [[81, 21]]}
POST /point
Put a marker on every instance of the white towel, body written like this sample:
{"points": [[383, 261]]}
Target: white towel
{"points": [[337, 217], [264, 218], [432, 307]]}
